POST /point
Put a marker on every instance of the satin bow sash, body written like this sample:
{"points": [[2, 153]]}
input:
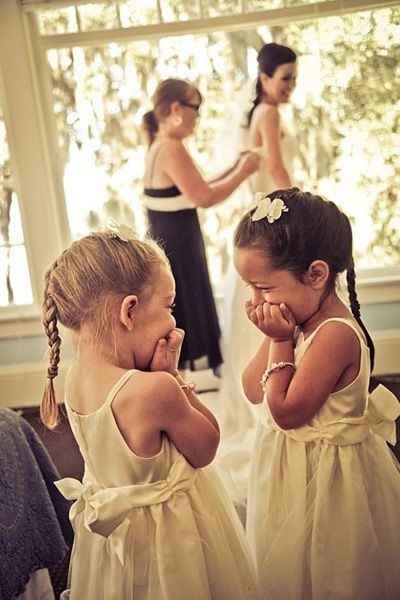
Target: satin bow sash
{"points": [[380, 416], [101, 506], [382, 412]]}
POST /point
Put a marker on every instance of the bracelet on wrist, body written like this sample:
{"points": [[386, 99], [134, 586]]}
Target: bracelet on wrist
{"points": [[186, 385], [189, 386], [275, 366]]}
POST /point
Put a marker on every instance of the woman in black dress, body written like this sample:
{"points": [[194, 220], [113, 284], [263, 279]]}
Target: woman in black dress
{"points": [[173, 190]]}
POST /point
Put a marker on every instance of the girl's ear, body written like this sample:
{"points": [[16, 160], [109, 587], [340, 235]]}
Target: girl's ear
{"points": [[128, 310], [317, 274], [264, 78]]}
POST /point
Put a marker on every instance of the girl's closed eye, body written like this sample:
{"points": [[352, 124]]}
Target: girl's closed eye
{"points": [[264, 290]]}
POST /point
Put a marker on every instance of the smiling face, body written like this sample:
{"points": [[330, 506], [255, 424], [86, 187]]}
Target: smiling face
{"points": [[280, 86], [276, 286], [152, 317], [184, 114]]}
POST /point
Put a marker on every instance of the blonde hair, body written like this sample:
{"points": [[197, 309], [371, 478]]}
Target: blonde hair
{"points": [[81, 286], [168, 91]]}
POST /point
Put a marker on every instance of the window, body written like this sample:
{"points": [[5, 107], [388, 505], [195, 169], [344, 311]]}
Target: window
{"points": [[103, 60], [344, 111], [15, 285]]}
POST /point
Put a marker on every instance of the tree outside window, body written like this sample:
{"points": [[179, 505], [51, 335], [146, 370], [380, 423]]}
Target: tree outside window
{"points": [[345, 114], [15, 285]]}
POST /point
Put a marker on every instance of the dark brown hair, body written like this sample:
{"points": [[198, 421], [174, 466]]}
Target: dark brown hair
{"points": [[81, 287], [312, 229], [167, 92], [270, 57]]}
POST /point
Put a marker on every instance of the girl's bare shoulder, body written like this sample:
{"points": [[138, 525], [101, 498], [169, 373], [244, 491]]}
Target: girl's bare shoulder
{"points": [[147, 391]]}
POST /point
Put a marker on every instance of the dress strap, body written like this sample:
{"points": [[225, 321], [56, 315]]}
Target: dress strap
{"points": [[152, 164], [118, 385], [343, 320]]}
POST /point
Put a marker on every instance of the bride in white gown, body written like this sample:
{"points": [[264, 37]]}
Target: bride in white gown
{"points": [[265, 130]]}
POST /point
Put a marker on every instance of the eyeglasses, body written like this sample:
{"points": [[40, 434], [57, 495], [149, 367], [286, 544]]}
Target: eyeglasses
{"points": [[196, 107]]}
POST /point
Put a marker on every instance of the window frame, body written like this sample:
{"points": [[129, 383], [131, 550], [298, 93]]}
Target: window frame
{"points": [[25, 52]]}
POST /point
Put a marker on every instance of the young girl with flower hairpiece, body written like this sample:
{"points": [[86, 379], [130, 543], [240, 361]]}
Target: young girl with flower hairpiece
{"points": [[150, 523], [324, 493]]}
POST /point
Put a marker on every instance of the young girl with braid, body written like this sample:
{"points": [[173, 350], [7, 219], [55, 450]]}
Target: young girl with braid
{"points": [[324, 492], [150, 522]]}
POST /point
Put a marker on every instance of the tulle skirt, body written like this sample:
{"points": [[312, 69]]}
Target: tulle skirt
{"points": [[237, 417], [191, 547], [324, 520]]}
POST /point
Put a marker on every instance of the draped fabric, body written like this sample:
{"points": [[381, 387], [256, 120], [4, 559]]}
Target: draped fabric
{"points": [[241, 340], [31, 537]]}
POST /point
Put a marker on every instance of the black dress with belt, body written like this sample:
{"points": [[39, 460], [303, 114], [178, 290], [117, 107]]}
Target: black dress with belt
{"points": [[179, 234]]}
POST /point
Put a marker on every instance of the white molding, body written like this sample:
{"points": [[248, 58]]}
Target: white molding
{"points": [[378, 290], [31, 156], [20, 322], [238, 22], [387, 356], [41, 5], [42, 92], [21, 328], [35, 5], [22, 385]]}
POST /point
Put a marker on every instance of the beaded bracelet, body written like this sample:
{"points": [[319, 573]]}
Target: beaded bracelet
{"points": [[276, 366], [189, 386]]}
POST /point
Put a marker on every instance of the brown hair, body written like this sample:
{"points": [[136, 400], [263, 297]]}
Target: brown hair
{"points": [[269, 58], [81, 287], [312, 229], [167, 92]]}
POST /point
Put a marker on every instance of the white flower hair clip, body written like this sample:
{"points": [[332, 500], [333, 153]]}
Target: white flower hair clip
{"points": [[267, 208], [120, 231]]}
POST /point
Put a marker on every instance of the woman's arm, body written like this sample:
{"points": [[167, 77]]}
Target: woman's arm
{"points": [[226, 172], [180, 168], [270, 131]]}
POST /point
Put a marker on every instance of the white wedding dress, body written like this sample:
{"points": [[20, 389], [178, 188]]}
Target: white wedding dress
{"points": [[240, 342]]}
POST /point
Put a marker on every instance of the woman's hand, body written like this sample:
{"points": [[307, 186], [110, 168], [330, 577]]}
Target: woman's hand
{"points": [[277, 322], [249, 162], [167, 352]]}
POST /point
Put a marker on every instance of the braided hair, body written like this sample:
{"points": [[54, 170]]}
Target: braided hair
{"points": [[81, 287], [355, 308], [49, 408]]}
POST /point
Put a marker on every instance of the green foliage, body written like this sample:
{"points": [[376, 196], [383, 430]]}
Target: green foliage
{"points": [[348, 126]]}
